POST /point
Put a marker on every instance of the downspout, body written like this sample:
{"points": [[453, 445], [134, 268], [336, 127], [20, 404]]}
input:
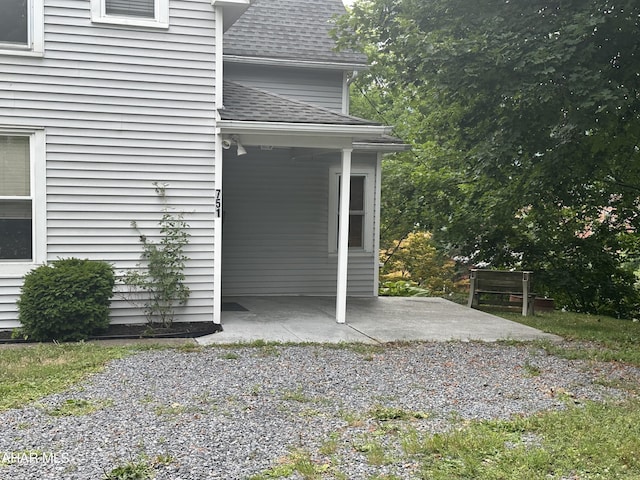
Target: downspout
{"points": [[346, 97], [345, 93], [376, 223]]}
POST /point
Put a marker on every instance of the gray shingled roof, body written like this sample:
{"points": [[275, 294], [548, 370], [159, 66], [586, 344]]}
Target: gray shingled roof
{"points": [[250, 104], [289, 30]]}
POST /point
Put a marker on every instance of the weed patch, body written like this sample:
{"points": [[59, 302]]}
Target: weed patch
{"points": [[133, 470], [298, 461], [74, 407], [384, 414]]}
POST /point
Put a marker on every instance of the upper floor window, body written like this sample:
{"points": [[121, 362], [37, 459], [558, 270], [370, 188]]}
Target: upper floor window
{"points": [[131, 8], [135, 13], [21, 27]]}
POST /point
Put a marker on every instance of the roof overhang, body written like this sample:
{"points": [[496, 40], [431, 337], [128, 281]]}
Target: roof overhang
{"points": [[305, 135], [382, 147], [298, 63], [233, 10]]}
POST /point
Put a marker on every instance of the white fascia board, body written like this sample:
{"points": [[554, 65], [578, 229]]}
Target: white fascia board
{"points": [[284, 62], [225, 3], [381, 147], [308, 129], [238, 4]]}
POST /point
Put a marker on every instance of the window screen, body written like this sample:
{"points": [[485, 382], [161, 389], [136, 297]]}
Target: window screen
{"points": [[356, 212], [14, 22], [131, 8], [15, 202]]}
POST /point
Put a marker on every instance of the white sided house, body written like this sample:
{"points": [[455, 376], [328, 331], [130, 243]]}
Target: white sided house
{"points": [[239, 106]]}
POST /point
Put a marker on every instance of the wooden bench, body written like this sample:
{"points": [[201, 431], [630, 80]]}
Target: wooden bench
{"points": [[502, 283]]}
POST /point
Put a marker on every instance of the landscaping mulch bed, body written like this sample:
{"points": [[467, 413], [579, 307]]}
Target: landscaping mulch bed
{"points": [[176, 330]]}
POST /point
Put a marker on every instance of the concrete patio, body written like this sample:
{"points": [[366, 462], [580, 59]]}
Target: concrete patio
{"points": [[369, 320]]}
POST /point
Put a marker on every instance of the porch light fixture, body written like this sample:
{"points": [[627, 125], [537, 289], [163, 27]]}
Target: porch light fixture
{"points": [[228, 141], [241, 149]]}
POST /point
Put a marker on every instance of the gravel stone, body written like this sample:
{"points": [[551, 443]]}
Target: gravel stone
{"points": [[230, 413]]}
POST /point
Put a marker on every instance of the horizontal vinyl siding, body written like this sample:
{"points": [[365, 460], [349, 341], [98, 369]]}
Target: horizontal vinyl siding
{"points": [[318, 87], [9, 293], [122, 107], [275, 229]]}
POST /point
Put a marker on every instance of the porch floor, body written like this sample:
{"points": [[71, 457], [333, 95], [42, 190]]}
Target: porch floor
{"points": [[369, 320]]}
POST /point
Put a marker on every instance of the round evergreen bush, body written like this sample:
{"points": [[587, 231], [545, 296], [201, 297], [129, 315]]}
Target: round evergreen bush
{"points": [[67, 300]]}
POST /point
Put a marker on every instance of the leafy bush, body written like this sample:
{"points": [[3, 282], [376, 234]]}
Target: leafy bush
{"points": [[66, 300], [402, 288], [416, 259], [161, 274]]}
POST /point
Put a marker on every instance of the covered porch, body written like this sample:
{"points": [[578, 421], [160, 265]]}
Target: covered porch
{"points": [[289, 224], [375, 320]]}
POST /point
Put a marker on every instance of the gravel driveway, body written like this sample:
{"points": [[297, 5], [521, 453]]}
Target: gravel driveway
{"points": [[230, 413]]}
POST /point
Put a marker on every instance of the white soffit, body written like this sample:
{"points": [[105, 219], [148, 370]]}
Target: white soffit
{"points": [[233, 10]]}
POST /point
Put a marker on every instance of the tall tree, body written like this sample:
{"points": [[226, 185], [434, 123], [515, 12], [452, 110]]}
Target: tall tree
{"points": [[525, 118]]}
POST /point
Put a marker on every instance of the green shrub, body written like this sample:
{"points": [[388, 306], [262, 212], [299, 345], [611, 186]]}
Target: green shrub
{"points": [[402, 288], [415, 258], [160, 276], [67, 300]]}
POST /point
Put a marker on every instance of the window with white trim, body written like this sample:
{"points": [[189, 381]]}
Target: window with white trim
{"points": [[360, 209], [20, 215], [21, 27], [135, 13]]}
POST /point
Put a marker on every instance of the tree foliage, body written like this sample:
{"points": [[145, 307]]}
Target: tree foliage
{"points": [[416, 258], [525, 121]]}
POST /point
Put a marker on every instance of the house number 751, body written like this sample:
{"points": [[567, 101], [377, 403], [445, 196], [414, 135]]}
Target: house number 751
{"points": [[218, 197]]}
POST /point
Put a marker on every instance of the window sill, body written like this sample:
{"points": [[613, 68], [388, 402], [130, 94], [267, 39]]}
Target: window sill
{"points": [[353, 253], [21, 53], [131, 22]]}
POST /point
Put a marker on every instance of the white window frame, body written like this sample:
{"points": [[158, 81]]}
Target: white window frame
{"points": [[37, 195], [334, 202], [35, 34], [161, 19]]}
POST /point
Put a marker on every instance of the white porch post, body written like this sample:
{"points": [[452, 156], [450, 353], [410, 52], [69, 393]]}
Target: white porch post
{"points": [[217, 241], [217, 187], [343, 237]]}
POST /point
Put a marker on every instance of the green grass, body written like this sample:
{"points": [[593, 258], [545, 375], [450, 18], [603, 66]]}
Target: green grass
{"points": [[32, 372], [608, 339], [593, 441]]}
